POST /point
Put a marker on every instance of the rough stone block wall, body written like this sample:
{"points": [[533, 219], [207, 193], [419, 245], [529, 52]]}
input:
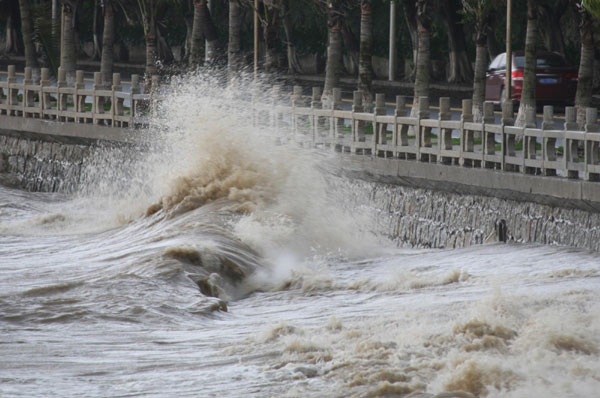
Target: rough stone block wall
{"points": [[423, 218], [40, 165]]}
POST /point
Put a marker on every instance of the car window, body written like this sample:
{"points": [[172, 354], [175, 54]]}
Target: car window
{"points": [[502, 63], [495, 63], [520, 61], [543, 61], [550, 60]]}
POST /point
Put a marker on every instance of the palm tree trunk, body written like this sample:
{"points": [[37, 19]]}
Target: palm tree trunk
{"points": [[481, 62], [151, 44], [410, 15], [352, 46], [210, 34], [583, 98], [423, 56], [270, 27], [529, 78], [482, 28], [55, 20], [27, 29], [97, 31], [333, 66], [365, 67], [197, 43], [460, 66], [292, 57], [68, 54], [234, 47], [550, 14], [108, 39], [165, 54]]}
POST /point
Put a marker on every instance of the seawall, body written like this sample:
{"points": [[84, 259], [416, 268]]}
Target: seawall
{"points": [[417, 217], [410, 209]]}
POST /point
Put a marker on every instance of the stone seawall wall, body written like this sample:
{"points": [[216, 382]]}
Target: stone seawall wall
{"points": [[424, 218], [37, 165]]}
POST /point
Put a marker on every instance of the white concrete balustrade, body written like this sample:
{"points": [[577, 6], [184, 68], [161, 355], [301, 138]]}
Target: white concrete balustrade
{"points": [[571, 152], [98, 104]]}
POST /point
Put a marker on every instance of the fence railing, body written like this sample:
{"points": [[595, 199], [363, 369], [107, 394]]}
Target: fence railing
{"points": [[383, 131], [99, 104], [571, 152]]}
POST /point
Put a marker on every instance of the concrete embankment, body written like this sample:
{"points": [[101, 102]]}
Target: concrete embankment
{"points": [[48, 156]]}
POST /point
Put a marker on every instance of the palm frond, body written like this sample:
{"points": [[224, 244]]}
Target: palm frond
{"points": [[593, 6]]}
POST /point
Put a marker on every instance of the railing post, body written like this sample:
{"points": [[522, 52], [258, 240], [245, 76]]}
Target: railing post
{"points": [[400, 132], [28, 95], [155, 84], [489, 139], [134, 89], [358, 133], [79, 100], [571, 118], [529, 143], [314, 120], [379, 129], [44, 96], [423, 134], [97, 101], [116, 108], [467, 139], [549, 143], [445, 135], [337, 124], [591, 145], [571, 146], [296, 102], [508, 140], [13, 92], [62, 98]]}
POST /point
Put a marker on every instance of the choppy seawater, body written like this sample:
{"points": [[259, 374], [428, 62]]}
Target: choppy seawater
{"points": [[223, 265]]}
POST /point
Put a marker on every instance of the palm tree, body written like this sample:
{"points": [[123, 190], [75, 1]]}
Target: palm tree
{"points": [[365, 71], [529, 79], [424, 20], [147, 12], [550, 14], [108, 39], [333, 66], [410, 17], [583, 98], [12, 40], [460, 69], [234, 57], [68, 53], [292, 57], [269, 17], [197, 36], [478, 12], [27, 30]]}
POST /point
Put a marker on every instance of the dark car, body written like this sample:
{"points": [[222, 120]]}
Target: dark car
{"points": [[556, 79]]}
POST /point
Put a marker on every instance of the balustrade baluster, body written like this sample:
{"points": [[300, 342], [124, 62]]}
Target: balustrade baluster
{"points": [[592, 145]]}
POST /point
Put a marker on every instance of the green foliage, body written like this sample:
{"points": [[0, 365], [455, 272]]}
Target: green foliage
{"points": [[593, 6]]}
